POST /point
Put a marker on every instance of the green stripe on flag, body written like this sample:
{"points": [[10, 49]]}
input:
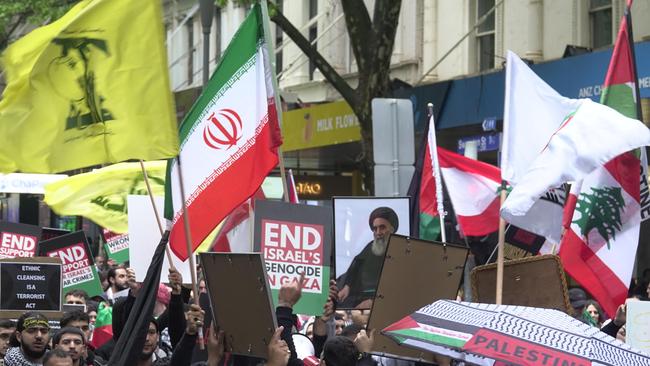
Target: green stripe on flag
{"points": [[428, 337], [240, 50], [429, 227], [621, 98]]}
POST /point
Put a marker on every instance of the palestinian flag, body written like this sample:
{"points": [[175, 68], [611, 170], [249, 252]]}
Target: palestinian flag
{"points": [[473, 187], [103, 326], [230, 138], [599, 248], [425, 223]]}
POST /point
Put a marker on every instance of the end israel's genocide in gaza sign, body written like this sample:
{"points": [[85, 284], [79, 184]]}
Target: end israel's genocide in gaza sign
{"points": [[78, 266], [296, 239], [18, 240]]}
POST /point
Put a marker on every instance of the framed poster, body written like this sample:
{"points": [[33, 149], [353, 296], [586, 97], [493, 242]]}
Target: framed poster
{"points": [[295, 239], [362, 226]]}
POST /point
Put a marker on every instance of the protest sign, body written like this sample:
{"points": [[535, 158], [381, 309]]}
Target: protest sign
{"points": [[78, 265], [241, 300], [116, 246], [414, 273], [637, 332], [18, 240], [144, 235], [30, 284], [294, 239], [359, 254]]}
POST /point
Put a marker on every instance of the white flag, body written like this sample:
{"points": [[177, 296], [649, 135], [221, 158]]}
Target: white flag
{"points": [[588, 139]]}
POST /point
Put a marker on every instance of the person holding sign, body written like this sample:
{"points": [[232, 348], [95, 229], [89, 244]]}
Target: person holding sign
{"points": [[360, 281], [29, 344]]}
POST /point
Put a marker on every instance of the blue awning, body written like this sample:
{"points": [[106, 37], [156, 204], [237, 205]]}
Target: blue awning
{"points": [[470, 100]]}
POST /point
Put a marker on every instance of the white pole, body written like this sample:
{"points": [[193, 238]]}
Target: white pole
{"points": [[395, 168], [433, 151]]}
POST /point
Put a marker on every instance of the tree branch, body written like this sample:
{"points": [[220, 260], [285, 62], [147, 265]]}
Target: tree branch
{"points": [[357, 21], [312, 53]]}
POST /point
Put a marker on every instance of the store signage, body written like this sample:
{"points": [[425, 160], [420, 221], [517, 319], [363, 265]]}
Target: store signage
{"points": [[485, 142], [27, 183], [319, 125]]}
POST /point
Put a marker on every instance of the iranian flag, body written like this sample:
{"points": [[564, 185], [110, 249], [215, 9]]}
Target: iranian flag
{"points": [[229, 139], [599, 248], [473, 187]]}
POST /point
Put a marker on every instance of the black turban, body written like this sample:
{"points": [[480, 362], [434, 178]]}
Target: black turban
{"points": [[385, 213]]}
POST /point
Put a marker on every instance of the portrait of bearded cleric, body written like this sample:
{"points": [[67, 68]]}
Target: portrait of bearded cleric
{"points": [[362, 229]]}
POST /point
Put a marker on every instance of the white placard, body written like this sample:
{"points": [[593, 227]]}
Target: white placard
{"points": [[144, 236], [637, 327]]}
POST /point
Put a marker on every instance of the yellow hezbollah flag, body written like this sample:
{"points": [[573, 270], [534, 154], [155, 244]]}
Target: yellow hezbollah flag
{"points": [[90, 88], [101, 194]]}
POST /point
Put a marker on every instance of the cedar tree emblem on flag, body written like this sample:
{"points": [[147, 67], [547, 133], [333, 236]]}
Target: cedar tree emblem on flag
{"points": [[600, 210]]}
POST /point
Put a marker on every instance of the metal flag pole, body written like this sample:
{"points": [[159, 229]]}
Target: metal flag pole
{"points": [[433, 150]]}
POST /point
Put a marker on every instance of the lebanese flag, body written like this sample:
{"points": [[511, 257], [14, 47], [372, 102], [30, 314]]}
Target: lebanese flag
{"points": [[229, 140], [473, 187], [599, 248]]}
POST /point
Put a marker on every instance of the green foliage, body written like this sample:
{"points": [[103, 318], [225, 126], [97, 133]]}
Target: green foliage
{"points": [[601, 210], [16, 12]]}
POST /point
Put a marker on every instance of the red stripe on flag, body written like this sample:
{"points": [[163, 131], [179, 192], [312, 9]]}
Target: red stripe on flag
{"points": [[405, 323], [625, 169], [428, 187], [483, 224], [448, 159], [592, 273], [620, 69], [230, 189]]}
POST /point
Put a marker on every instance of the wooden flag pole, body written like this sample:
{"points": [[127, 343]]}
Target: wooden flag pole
{"points": [[155, 212], [501, 246], [188, 241]]}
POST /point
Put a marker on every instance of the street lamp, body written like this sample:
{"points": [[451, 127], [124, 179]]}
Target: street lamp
{"points": [[207, 14]]}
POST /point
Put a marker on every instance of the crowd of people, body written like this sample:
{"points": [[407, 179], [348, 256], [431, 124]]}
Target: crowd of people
{"points": [[336, 337]]}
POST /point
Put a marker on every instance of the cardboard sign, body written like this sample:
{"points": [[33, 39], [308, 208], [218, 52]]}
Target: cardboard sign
{"points": [[116, 246], [78, 265], [241, 301], [144, 234], [294, 239], [415, 273], [519, 277], [18, 240], [30, 284], [637, 327]]}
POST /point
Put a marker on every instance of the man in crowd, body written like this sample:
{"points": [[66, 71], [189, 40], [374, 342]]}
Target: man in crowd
{"points": [[72, 341], [117, 281], [30, 340], [361, 278], [57, 357], [76, 296], [7, 328]]}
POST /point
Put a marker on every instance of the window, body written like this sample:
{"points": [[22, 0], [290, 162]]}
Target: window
{"points": [[313, 33], [600, 22], [485, 35]]}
